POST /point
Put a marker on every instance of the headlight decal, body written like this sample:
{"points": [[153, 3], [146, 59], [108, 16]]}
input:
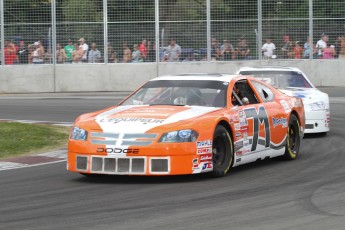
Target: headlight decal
{"points": [[78, 134], [179, 136], [318, 105]]}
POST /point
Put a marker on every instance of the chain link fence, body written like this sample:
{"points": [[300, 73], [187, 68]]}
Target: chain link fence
{"points": [[127, 31]]}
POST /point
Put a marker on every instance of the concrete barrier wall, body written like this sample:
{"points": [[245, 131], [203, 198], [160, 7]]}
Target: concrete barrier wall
{"points": [[127, 77]]}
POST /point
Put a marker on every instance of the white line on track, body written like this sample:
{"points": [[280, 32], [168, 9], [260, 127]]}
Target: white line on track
{"points": [[59, 123], [4, 166]]}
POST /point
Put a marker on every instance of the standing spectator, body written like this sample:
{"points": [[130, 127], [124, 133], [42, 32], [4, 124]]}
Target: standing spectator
{"points": [[215, 50], [226, 50], [143, 50], [31, 50], [85, 49], [151, 51], [77, 54], [127, 55], [23, 53], [328, 52], [286, 48], [61, 56], [136, 56], [10, 53], [242, 49], [268, 48], [321, 45], [341, 43], [308, 48], [173, 51], [69, 48], [111, 54], [94, 55], [38, 53], [297, 50]]}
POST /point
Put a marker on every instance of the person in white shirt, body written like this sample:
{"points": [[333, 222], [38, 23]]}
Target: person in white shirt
{"points": [[173, 51], [268, 49], [85, 48], [321, 44]]}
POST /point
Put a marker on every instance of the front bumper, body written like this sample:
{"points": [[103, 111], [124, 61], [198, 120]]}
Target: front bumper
{"points": [[317, 121], [139, 165]]}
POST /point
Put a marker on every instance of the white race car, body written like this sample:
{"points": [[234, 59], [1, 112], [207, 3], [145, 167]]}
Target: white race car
{"points": [[293, 82]]}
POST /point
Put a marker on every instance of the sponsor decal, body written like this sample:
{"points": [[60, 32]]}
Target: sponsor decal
{"points": [[144, 114], [238, 159], [233, 118], [140, 120], [300, 95], [243, 122], [239, 144], [207, 165], [241, 114], [245, 135], [239, 153], [195, 163], [245, 151], [206, 143], [117, 150], [246, 143], [206, 157], [279, 121], [286, 106], [237, 126], [244, 128], [238, 136], [298, 103], [204, 150]]}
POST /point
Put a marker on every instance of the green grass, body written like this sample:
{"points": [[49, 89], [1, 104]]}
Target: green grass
{"points": [[20, 139]]}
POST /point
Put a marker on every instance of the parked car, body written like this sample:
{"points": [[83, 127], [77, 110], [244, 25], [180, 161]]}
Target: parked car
{"points": [[293, 82], [187, 124]]}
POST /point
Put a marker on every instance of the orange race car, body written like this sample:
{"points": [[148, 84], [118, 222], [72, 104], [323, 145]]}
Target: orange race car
{"points": [[186, 124]]}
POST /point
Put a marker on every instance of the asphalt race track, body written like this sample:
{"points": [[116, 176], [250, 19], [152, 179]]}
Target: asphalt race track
{"points": [[308, 193]]}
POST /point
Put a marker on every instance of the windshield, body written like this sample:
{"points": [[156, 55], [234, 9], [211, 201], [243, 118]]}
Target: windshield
{"points": [[180, 92], [280, 79]]}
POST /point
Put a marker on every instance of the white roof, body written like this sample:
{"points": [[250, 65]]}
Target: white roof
{"points": [[270, 68], [198, 76]]}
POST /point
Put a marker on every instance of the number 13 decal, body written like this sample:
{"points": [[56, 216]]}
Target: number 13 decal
{"points": [[259, 117]]}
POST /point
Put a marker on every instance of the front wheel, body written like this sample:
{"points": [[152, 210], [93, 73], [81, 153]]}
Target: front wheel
{"points": [[222, 151], [293, 139]]}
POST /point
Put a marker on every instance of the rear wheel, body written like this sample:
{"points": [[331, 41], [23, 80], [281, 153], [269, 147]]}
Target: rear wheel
{"points": [[293, 139], [222, 151]]}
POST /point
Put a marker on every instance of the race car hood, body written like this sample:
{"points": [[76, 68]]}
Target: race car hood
{"points": [[310, 97], [140, 119]]}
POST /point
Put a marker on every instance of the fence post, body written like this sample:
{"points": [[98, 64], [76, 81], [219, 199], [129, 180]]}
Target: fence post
{"points": [[259, 34], [311, 28], [105, 30], [2, 58], [53, 40], [208, 28], [157, 42]]}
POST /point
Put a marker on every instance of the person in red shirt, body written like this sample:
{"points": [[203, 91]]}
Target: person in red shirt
{"points": [[143, 50], [10, 53], [297, 50]]}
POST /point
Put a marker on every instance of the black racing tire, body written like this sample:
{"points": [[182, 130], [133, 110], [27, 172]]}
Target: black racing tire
{"points": [[222, 151], [293, 139]]}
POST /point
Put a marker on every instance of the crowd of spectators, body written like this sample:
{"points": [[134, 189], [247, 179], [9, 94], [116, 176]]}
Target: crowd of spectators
{"points": [[323, 49], [80, 52]]}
